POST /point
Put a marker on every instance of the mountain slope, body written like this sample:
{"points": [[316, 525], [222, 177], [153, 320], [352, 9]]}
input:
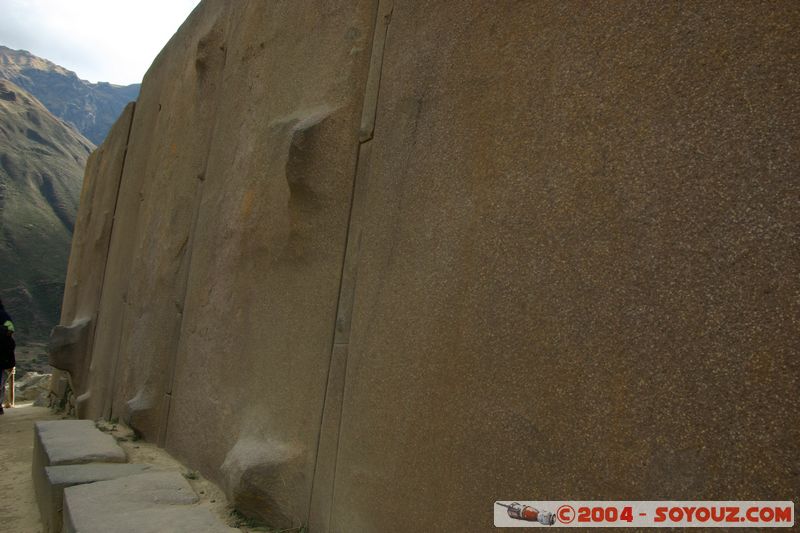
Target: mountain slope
{"points": [[41, 169], [91, 107]]}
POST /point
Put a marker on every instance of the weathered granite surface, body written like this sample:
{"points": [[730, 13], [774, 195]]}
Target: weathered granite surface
{"points": [[413, 256], [72, 342], [153, 502], [57, 478], [274, 219], [578, 273], [93, 226], [161, 186], [67, 442], [64, 442], [68, 349]]}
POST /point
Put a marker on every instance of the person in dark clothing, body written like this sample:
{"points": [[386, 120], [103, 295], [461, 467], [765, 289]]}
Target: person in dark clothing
{"points": [[5, 318], [7, 346]]}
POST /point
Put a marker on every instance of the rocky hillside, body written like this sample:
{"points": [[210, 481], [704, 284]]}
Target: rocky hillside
{"points": [[91, 107], [41, 169]]}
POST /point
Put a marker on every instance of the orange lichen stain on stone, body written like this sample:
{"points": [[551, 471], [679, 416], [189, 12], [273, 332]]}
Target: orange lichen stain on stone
{"points": [[173, 148], [247, 203]]}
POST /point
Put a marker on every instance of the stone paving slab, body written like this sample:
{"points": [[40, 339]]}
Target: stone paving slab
{"points": [[154, 519], [151, 519], [57, 478], [64, 442], [155, 502]]}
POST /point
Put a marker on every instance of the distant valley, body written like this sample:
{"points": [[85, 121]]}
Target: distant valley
{"points": [[50, 121], [92, 108]]}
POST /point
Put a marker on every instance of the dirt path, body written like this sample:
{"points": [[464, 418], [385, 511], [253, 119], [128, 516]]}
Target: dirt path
{"points": [[18, 510]]}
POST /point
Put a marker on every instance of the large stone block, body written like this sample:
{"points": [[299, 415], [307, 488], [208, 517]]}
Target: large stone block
{"points": [[68, 442], [61, 442], [577, 273], [69, 350], [57, 478], [158, 502], [258, 319], [72, 341], [151, 247], [94, 223]]}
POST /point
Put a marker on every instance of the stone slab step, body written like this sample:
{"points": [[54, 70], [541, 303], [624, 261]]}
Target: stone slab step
{"points": [[154, 502], [57, 478], [65, 442]]}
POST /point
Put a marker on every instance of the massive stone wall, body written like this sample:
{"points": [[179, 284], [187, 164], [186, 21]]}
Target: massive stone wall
{"points": [[377, 264], [71, 343]]}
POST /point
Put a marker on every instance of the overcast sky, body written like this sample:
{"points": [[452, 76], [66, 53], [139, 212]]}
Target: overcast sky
{"points": [[101, 40]]}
